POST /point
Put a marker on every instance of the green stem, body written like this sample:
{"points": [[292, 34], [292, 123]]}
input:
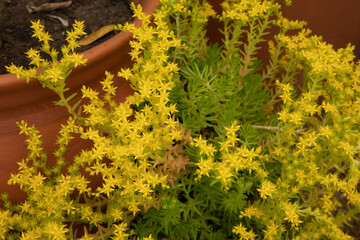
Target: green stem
{"points": [[67, 105]]}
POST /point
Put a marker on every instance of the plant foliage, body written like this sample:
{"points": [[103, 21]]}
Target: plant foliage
{"points": [[214, 143]]}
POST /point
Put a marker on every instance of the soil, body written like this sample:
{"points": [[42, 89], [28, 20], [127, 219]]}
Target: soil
{"points": [[16, 32]]}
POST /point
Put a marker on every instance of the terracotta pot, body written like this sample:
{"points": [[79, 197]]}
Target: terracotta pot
{"points": [[34, 104]]}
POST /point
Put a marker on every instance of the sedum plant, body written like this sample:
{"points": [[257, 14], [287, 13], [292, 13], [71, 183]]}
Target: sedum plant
{"points": [[214, 143]]}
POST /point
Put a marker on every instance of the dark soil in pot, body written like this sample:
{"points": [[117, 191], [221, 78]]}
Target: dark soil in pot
{"points": [[16, 32]]}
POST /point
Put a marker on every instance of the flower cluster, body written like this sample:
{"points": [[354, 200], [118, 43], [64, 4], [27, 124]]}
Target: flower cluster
{"points": [[54, 73]]}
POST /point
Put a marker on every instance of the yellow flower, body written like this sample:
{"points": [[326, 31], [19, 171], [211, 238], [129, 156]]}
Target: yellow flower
{"points": [[308, 140], [272, 230], [231, 133], [243, 233], [15, 70], [224, 174], [55, 231], [268, 189], [300, 176], [205, 166], [177, 7], [138, 11], [326, 131], [74, 59], [328, 107], [120, 231], [79, 27], [310, 108], [296, 117], [136, 45], [284, 115], [347, 147], [208, 10], [308, 96], [36, 25], [291, 214], [205, 148], [34, 56], [54, 74], [125, 73], [135, 54], [89, 93], [252, 211], [286, 97], [278, 151]]}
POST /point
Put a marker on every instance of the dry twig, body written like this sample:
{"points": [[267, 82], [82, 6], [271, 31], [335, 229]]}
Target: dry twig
{"points": [[48, 6], [64, 22]]}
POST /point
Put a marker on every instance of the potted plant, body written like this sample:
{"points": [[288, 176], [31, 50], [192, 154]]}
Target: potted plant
{"points": [[34, 103], [211, 145]]}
